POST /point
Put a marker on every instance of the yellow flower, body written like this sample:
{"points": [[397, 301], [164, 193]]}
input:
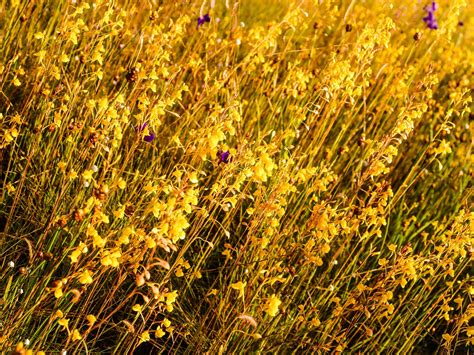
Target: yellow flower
{"points": [[150, 242], [62, 166], [193, 178], [97, 57], [76, 335], [73, 37], [17, 119], [239, 286], [325, 248], [86, 277], [87, 175], [259, 172], [104, 218], [171, 297], [377, 168], [447, 337], [445, 307], [39, 35], [137, 308], [8, 137], [16, 81], [10, 188], [470, 331], [443, 148], [64, 322], [98, 242], [64, 58], [159, 333], [111, 258], [120, 213], [387, 296], [121, 184], [403, 282], [41, 54], [91, 319], [383, 262], [145, 336], [72, 174], [106, 260], [272, 305], [215, 137], [19, 347], [58, 292], [74, 256]]}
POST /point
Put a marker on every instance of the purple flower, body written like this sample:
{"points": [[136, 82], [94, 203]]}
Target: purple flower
{"points": [[204, 19], [149, 137], [429, 19], [224, 157]]}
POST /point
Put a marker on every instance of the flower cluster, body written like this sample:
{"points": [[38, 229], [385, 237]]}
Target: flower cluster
{"points": [[430, 19]]}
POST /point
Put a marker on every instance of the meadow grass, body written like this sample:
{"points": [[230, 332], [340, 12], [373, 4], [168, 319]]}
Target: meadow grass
{"points": [[236, 177]]}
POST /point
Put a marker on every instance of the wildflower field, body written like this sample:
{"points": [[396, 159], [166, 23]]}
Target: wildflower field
{"points": [[266, 176]]}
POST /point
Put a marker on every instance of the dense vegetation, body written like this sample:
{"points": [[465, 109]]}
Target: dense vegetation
{"points": [[222, 176]]}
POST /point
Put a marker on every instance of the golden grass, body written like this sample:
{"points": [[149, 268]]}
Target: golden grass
{"points": [[283, 177]]}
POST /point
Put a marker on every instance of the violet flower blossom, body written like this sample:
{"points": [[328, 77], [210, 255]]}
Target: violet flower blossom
{"points": [[224, 157], [429, 19], [204, 19], [148, 138]]}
